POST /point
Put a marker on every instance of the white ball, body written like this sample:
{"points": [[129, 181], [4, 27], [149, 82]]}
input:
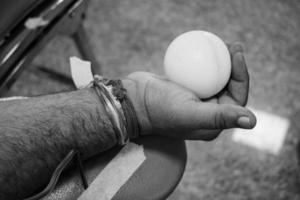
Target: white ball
{"points": [[199, 61]]}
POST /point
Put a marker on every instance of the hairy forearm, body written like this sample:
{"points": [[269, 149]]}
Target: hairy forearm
{"points": [[37, 133]]}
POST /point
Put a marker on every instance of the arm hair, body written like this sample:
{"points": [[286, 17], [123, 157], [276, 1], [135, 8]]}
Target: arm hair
{"points": [[37, 133]]}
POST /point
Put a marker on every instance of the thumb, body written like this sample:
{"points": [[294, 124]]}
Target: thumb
{"points": [[221, 116]]}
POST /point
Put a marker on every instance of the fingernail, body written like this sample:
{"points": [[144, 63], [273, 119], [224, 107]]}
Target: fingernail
{"points": [[244, 122]]}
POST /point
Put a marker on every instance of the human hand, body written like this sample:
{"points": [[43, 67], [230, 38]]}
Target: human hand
{"points": [[166, 108]]}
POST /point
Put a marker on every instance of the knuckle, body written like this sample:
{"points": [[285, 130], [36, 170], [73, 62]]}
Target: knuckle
{"points": [[220, 121]]}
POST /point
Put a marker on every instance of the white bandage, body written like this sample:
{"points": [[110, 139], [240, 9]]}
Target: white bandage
{"points": [[115, 174], [81, 72]]}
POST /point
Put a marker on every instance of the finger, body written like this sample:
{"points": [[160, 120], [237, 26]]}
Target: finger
{"points": [[218, 116], [238, 85], [203, 134]]}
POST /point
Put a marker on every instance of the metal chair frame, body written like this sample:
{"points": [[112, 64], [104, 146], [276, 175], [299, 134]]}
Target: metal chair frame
{"points": [[21, 45]]}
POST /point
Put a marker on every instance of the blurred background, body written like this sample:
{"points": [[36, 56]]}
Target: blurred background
{"points": [[132, 35]]}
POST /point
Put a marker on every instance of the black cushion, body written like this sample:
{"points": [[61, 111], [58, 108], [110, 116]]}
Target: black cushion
{"points": [[155, 179]]}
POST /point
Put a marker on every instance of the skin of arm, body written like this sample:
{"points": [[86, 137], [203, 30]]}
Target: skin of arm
{"points": [[37, 133]]}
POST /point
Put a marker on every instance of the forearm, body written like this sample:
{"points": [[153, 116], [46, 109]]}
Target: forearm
{"points": [[37, 133]]}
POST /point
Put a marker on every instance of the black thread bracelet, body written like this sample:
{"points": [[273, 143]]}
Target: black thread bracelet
{"points": [[132, 125], [111, 109]]}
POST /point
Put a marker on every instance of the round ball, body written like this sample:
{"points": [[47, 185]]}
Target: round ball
{"points": [[199, 61]]}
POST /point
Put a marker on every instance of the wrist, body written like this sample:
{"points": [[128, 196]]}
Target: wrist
{"points": [[136, 94], [102, 131]]}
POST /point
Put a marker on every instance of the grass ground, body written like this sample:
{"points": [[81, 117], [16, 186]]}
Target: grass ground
{"points": [[131, 35]]}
